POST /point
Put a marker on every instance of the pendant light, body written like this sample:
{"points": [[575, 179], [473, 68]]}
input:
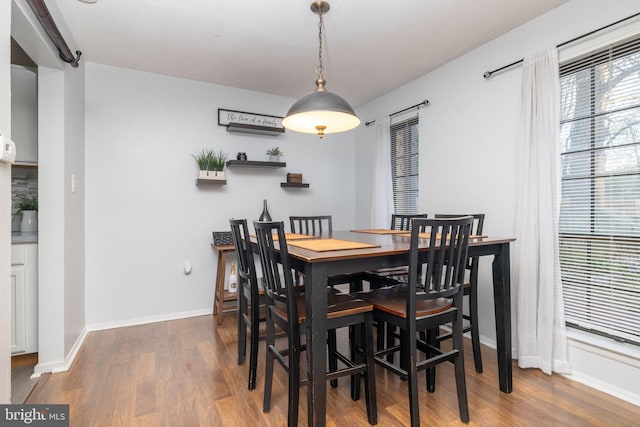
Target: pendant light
{"points": [[320, 111]]}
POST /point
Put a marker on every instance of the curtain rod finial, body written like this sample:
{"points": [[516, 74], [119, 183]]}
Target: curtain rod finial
{"points": [[487, 74]]}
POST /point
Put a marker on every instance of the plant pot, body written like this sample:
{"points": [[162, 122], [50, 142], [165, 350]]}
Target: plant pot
{"points": [[211, 175], [274, 159], [29, 223]]}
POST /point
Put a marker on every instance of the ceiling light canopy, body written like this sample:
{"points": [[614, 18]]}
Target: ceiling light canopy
{"points": [[320, 111]]}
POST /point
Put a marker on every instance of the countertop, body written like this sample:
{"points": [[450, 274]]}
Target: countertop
{"points": [[17, 237]]}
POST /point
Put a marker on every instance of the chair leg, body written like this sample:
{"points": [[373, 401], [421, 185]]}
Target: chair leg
{"points": [[333, 359], [461, 385], [268, 370], [408, 343], [355, 344], [253, 351], [380, 334], [475, 332], [403, 350], [294, 384], [370, 377], [432, 339], [242, 328], [391, 341]]}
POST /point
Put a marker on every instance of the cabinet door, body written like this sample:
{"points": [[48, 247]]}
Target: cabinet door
{"points": [[18, 310]]}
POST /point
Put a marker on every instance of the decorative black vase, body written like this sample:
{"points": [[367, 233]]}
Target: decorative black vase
{"points": [[264, 216]]}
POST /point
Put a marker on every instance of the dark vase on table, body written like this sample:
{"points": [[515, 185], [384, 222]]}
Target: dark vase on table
{"points": [[264, 216]]}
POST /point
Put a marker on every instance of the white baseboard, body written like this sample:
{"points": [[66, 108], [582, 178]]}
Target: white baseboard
{"points": [[609, 353], [605, 387], [144, 320], [55, 367]]}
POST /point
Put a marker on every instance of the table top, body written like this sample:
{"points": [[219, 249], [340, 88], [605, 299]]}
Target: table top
{"points": [[383, 244]]}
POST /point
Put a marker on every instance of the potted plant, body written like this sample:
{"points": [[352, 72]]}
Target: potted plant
{"points": [[274, 154], [27, 205], [204, 159], [217, 163]]}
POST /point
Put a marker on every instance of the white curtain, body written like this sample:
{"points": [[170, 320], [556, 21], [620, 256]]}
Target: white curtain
{"points": [[382, 191], [540, 326]]}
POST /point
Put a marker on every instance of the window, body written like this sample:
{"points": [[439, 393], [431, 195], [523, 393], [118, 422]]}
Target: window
{"points": [[600, 209], [404, 165]]}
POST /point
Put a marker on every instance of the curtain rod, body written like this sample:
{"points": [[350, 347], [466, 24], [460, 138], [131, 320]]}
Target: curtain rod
{"points": [[425, 102], [41, 12], [488, 74]]}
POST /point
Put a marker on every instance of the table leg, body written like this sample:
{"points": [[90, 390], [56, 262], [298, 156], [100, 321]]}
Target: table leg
{"points": [[502, 304], [315, 281], [218, 299]]}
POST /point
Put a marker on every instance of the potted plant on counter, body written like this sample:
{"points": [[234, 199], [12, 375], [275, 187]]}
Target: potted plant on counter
{"points": [[274, 154], [27, 205]]}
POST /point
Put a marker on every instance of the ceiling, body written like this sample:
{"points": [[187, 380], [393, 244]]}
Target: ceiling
{"points": [[272, 46]]}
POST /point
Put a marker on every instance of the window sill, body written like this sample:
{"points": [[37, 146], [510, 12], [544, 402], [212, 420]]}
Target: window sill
{"points": [[621, 352]]}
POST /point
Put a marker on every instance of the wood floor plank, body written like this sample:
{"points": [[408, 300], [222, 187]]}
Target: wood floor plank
{"points": [[185, 373]]}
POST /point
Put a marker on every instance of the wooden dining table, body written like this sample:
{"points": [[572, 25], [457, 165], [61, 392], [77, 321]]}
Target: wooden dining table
{"points": [[363, 250]]}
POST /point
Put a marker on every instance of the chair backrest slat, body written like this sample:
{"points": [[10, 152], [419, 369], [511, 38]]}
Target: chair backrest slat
{"points": [[311, 225], [476, 230], [274, 260], [444, 261], [403, 222], [244, 253]]}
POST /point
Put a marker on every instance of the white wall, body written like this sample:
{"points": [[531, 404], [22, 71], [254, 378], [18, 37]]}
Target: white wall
{"points": [[5, 206], [467, 142], [144, 214], [61, 226]]}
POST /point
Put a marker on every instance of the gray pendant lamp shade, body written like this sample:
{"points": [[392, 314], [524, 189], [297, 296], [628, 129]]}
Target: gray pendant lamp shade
{"points": [[320, 111]]}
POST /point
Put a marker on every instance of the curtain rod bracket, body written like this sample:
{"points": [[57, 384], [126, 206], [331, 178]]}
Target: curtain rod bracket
{"points": [[73, 62]]}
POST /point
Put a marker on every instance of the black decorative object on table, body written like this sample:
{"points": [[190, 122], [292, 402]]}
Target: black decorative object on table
{"points": [[265, 216]]}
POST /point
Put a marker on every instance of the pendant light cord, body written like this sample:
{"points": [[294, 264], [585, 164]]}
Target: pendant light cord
{"points": [[320, 69]]}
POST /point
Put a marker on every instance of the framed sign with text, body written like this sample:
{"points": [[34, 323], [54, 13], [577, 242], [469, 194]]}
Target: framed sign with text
{"points": [[242, 121]]}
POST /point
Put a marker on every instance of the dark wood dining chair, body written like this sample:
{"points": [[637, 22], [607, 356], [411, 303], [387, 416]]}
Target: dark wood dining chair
{"points": [[250, 298], [286, 310], [312, 225], [470, 290], [389, 277], [394, 275], [322, 225], [426, 302]]}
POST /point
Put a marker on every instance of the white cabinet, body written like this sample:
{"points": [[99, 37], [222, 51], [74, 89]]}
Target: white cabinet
{"points": [[24, 298], [24, 113], [19, 310]]}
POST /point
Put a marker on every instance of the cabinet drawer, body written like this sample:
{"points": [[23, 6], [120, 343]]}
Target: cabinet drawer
{"points": [[17, 254]]}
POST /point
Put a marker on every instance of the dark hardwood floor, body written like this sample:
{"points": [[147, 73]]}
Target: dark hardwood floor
{"points": [[185, 373]]}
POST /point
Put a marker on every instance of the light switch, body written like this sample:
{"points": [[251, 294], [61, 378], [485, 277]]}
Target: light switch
{"points": [[74, 183], [187, 267]]}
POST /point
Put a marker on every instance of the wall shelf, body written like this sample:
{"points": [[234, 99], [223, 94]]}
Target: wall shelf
{"points": [[255, 164], [211, 181], [294, 185]]}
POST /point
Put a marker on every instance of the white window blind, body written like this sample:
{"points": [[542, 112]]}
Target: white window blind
{"points": [[600, 209], [404, 165]]}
